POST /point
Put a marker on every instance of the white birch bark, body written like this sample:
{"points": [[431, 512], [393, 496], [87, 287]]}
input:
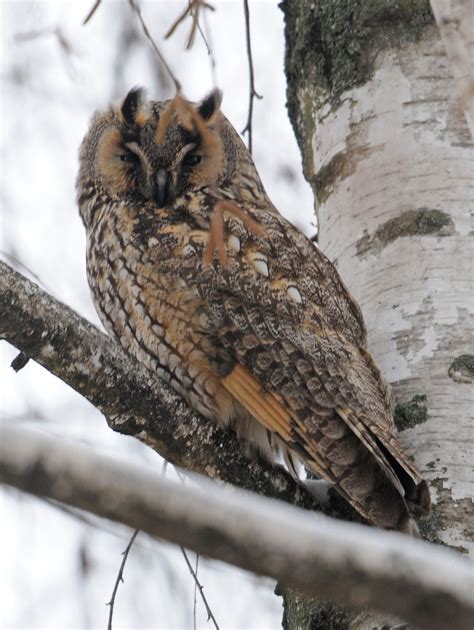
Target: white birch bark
{"points": [[455, 20], [395, 164]]}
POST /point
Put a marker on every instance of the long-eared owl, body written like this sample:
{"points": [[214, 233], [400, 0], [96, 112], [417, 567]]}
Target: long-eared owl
{"points": [[195, 273]]}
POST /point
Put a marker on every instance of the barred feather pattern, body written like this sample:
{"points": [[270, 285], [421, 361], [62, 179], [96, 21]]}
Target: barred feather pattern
{"points": [[271, 343]]}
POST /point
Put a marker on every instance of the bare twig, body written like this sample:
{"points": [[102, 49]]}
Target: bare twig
{"points": [[136, 9], [29, 35], [197, 584], [57, 32], [73, 513], [192, 10], [351, 564], [195, 9], [196, 569], [210, 49], [210, 616], [252, 92], [177, 22], [119, 579], [91, 12], [64, 44], [204, 39]]}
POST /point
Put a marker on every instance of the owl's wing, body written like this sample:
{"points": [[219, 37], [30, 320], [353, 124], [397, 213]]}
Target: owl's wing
{"points": [[301, 368]]}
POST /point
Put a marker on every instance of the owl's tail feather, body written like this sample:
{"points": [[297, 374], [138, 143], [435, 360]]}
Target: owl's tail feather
{"points": [[394, 462], [375, 477], [416, 491], [371, 492]]}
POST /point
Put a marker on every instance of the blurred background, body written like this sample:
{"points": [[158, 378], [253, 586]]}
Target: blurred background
{"points": [[58, 567]]}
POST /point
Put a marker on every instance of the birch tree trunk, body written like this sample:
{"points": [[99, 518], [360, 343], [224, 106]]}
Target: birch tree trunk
{"points": [[387, 150]]}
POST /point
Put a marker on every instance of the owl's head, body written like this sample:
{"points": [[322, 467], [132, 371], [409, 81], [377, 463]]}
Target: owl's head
{"points": [[154, 151]]}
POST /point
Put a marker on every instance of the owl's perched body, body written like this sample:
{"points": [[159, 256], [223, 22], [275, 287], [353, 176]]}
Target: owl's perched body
{"points": [[195, 272]]}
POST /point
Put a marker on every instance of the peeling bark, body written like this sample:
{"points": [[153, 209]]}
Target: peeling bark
{"points": [[388, 152]]}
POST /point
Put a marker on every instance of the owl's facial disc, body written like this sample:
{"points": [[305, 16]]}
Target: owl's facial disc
{"points": [[157, 151]]}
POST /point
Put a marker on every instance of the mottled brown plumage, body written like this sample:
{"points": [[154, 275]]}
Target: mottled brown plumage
{"points": [[195, 272]]}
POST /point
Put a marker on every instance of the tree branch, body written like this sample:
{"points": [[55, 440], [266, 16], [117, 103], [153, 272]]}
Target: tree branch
{"points": [[133, 400], [455, 20], [346, 563]]}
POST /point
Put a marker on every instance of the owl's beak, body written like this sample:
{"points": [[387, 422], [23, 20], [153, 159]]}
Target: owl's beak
{"points": [[162, 187]]}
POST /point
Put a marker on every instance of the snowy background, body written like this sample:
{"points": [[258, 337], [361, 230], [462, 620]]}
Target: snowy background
{"points": [[57, 569]]}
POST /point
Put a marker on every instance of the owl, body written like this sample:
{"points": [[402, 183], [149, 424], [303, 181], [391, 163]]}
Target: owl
{"points": [[197, 275]]}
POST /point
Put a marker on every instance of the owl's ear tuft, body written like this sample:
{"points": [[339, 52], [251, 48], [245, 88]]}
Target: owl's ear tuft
{"points": [[209, 107], [133, 106]]}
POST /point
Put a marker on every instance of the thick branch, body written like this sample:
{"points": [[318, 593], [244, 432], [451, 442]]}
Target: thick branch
{"points": [[133, 400], [455, 20], [347, 563]]}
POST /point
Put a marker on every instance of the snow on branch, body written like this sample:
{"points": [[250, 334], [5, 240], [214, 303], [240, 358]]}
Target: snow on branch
{"points": [[347, 563], [455, 20], [133, 400]]}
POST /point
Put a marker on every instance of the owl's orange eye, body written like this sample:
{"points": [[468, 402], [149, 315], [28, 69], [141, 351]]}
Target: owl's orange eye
{"points": [[129, 157], [191, 160]]}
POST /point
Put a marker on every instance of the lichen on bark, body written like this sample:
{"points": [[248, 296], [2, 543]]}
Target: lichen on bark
{"points": [[304, 613], [408, 415], [461, 369], [415, 222], [332, 45]]}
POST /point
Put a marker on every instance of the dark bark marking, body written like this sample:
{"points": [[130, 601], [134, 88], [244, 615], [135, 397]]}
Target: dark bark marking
{"points": [[418, 222], [461, 369], [408, 415]]}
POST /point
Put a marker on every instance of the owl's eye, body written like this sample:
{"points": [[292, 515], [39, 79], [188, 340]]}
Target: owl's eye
{"points": [[191, 159], [129, 157]]}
